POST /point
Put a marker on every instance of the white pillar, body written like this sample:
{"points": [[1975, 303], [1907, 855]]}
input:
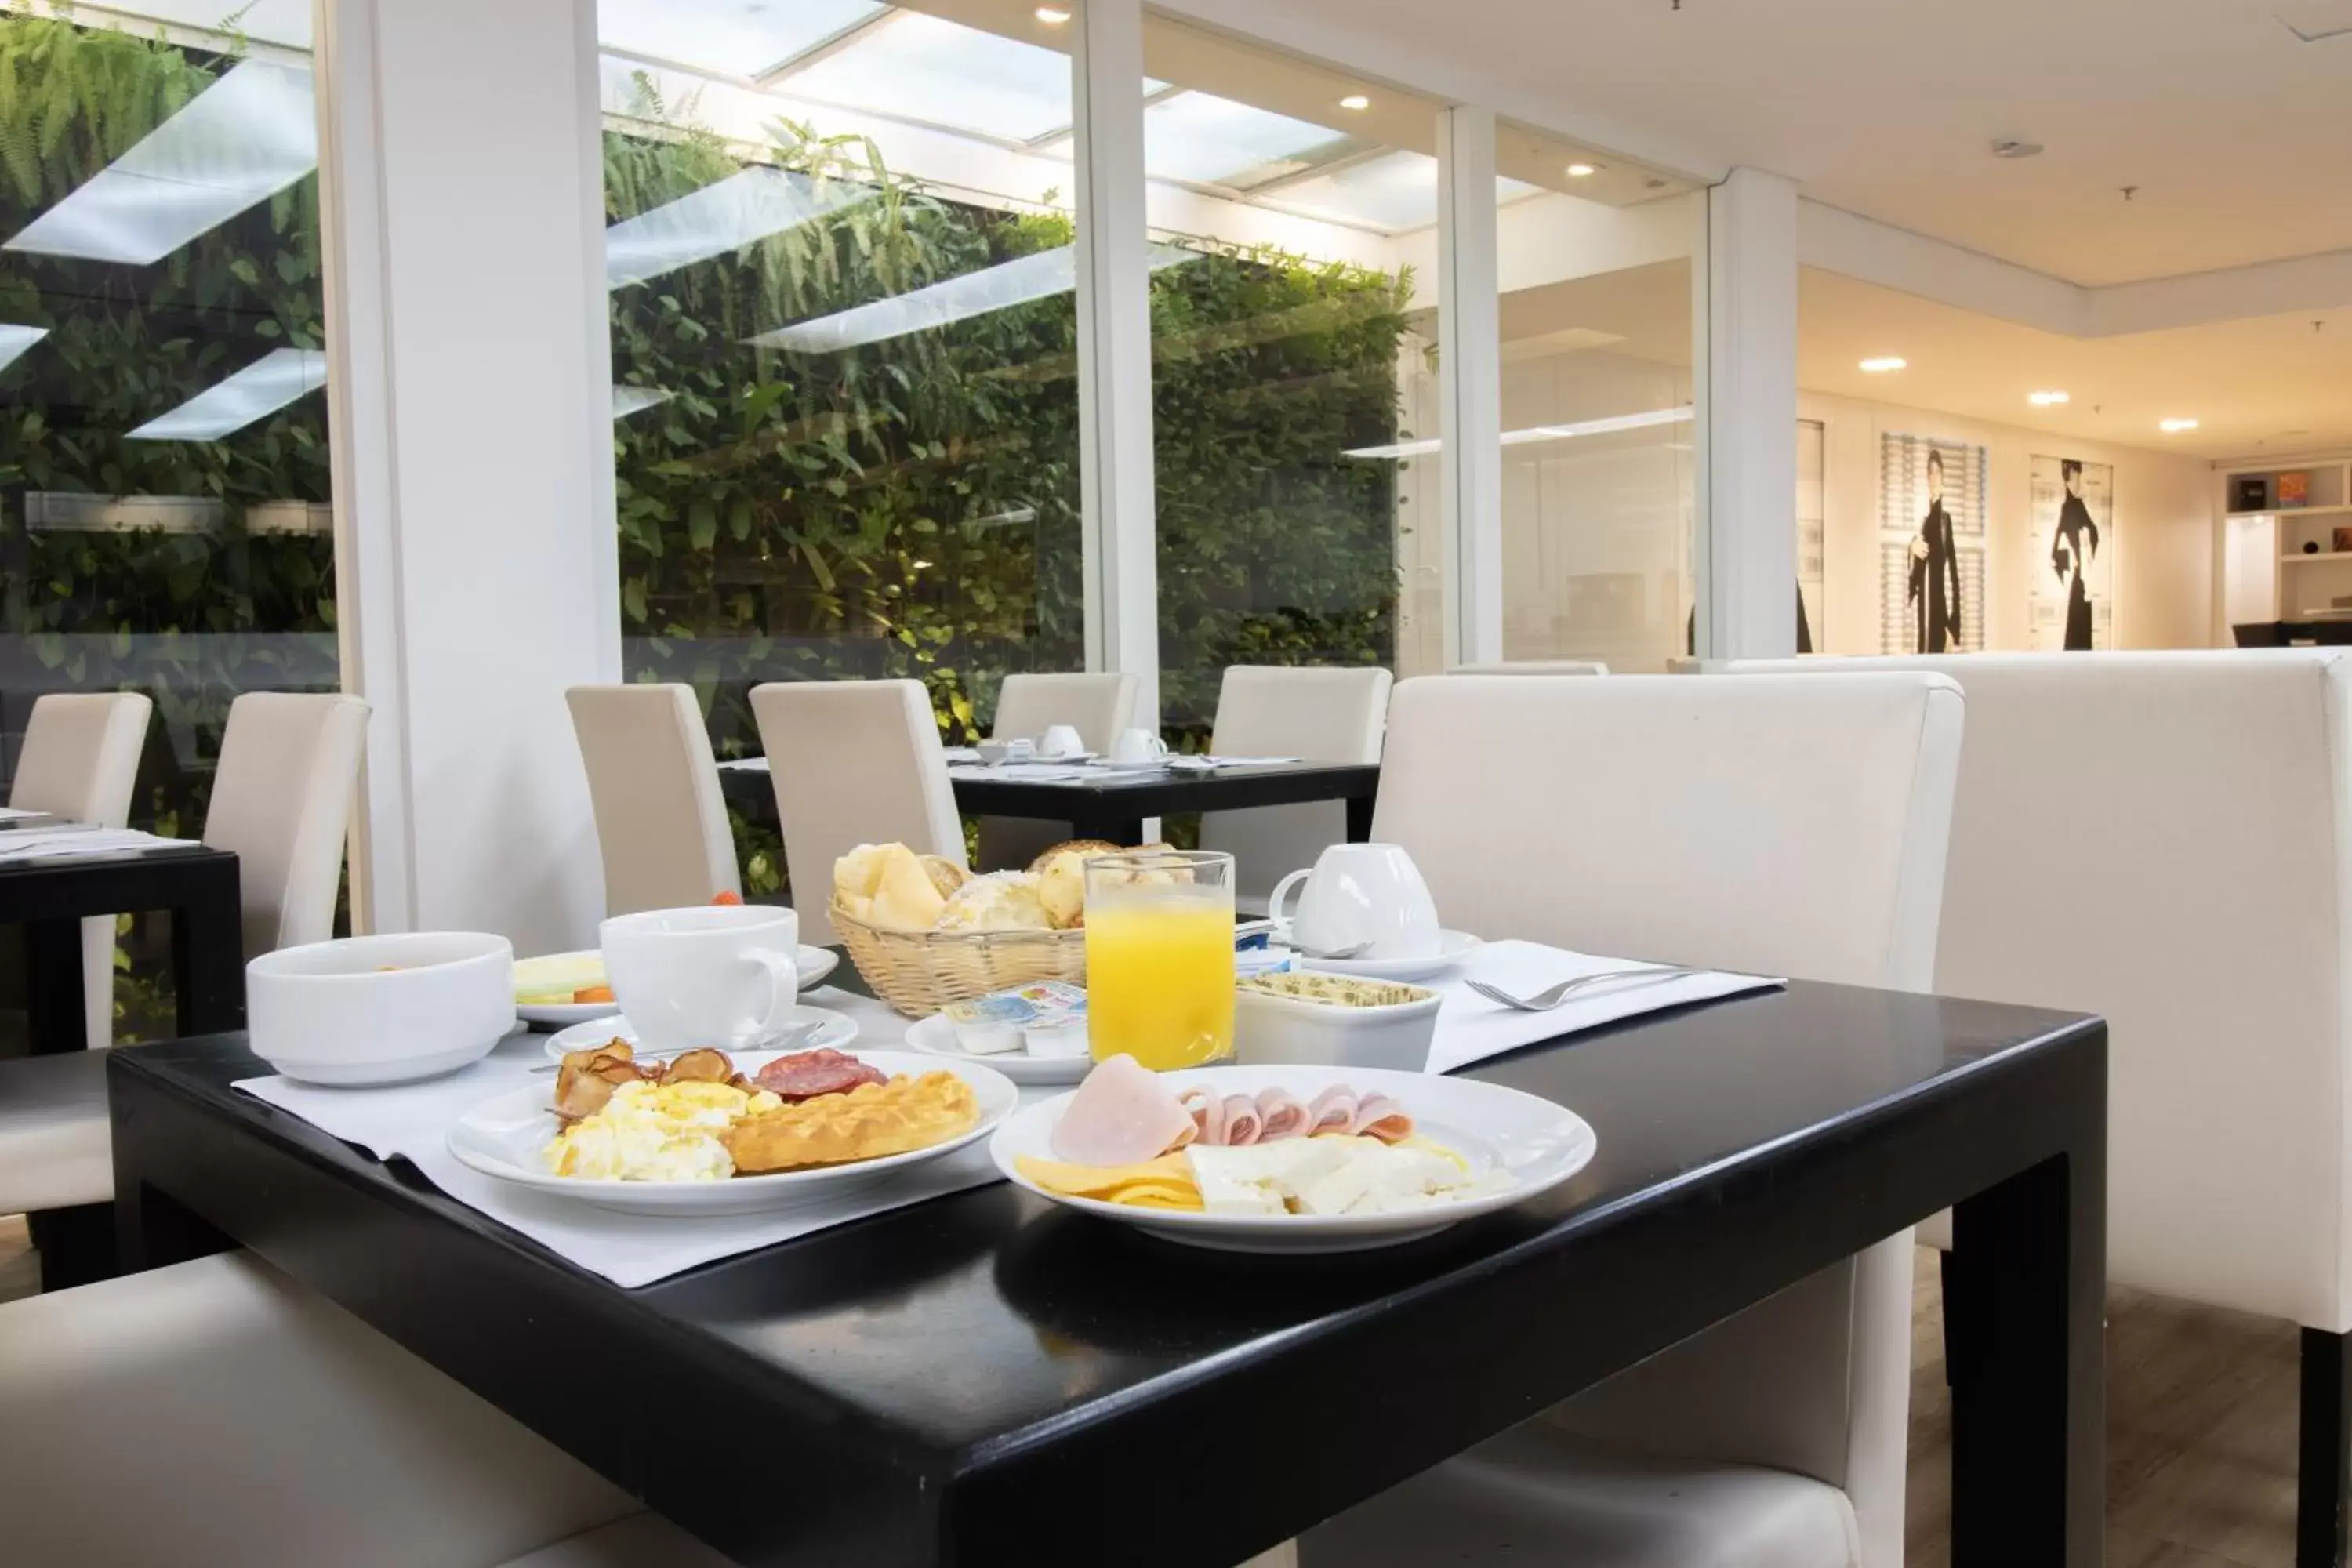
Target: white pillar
{"points": [[1115, 460], [462, 216], [1748, 595], [1470, 382]]}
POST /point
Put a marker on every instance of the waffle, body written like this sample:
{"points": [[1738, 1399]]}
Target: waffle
{"points": [[870, 1121]]}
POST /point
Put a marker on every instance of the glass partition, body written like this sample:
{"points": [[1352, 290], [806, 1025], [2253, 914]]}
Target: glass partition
{"points": [[164, 501]]}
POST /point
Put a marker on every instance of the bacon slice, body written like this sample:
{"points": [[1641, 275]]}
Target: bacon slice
{"points": [[1333, 1111], [1379, 1117], [1280, 1115], [1242, 1122]]}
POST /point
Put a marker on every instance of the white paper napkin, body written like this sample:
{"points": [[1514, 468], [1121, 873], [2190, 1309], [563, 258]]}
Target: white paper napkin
{"points": [[1470, 1028], [413, 1121]]}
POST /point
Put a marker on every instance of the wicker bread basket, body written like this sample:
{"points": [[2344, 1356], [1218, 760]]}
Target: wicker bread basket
{"points": [[920, 971]]}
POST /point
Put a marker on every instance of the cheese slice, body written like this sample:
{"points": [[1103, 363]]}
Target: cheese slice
{"points": [[1164, 1182]]}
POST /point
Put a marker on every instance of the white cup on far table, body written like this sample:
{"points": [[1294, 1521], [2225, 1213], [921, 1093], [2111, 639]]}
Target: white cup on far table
{"points": [[1136, 747], [1060, 740], [1362, 893], [720, 974]]}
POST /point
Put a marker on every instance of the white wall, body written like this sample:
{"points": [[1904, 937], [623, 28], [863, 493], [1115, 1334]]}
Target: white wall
{"points": [[2164, 585]]}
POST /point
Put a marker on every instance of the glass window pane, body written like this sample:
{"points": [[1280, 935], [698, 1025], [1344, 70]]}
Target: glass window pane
{"points": [[1599, 459], [845, 356], [166, 526]]}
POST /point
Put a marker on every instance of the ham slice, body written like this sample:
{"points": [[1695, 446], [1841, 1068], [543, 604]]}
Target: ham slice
{"points": [[1333, 1111], [1242, 1122], [1122, 1114], [1379, 1117], [1280, 1115], [1208, 1114]]}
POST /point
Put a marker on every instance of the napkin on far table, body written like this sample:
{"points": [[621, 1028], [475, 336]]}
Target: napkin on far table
{"points": [[1471, 1028]]}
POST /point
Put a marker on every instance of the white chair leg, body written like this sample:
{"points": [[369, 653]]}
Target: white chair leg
{"points": [[1283, 1556]]}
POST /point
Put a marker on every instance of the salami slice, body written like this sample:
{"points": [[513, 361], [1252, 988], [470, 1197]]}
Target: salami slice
{"points": [[807, 1075]]}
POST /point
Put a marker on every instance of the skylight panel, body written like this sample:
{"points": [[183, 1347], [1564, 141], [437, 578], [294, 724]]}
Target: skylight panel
{"points": [[1394, 193], [261, 389], [728, 215], [1208, 140], [1017, 282], [15, 340], [241, 141], [629, 400], [920, 68], [724, 37]]}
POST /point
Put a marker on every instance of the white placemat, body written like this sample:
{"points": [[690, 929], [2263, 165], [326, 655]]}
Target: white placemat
{"points": [[413, 1121], [77, 840], [1470, 1028]]}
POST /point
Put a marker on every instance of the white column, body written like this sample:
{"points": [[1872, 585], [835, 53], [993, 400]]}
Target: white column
{"points": [[1115, 460], [471, 421], [1747, 593], [1470, 382]]}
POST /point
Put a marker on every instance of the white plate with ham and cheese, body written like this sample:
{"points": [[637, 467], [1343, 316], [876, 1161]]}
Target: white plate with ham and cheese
{"points": [[1289, 1158]]}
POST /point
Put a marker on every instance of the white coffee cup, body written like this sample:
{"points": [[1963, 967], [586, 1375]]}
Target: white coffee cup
{"points": [[1137, 746], [1060, 740], [1362, 893], [720, 974]]}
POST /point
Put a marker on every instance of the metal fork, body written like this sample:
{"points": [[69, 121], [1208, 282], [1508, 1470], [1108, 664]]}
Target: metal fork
{"points": [[1552, 996]]}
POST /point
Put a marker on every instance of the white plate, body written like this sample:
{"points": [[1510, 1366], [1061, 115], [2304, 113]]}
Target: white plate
{"points": [[502, 1136], [813, 963], [1452, 947], [838, 1030], [1540, 1143], [936, 1037]]}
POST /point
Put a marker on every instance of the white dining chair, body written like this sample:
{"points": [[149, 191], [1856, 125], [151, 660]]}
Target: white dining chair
{"points": [[1316, 714], [661, 821], [81, 760], [1534, 666], [1790, 826], [854, 761], [1099, 706]]}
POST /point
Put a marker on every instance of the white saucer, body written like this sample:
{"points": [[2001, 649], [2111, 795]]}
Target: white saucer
{"points": [[1452, 947], [936, 1037], [812, 963], [839, 1029]]}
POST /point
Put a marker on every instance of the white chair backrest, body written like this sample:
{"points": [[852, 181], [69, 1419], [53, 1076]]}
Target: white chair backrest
{"points": [[81, 760], [661, 822], [1790, 826], [283, 801], [2166, 839], [855, 761], [81, 755], [1098, 706], [1535, 667], [1318, 715], [1795, 827]]}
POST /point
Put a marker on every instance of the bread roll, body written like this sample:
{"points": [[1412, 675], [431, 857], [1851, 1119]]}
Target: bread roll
{"points": [[944, 873], [1006, 900]]}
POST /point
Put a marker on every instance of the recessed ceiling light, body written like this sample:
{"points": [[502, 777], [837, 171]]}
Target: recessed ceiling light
{"points": [[1884, 363], [2175, 426], [1052, 15], [1355, 100], [2016, 147], [2046, 399], [1579, 171]]}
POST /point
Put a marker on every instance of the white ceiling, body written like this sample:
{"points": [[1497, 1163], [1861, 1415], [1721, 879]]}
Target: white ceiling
{"points": [[2237, 133]]}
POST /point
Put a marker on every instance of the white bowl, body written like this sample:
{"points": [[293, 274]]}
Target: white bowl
{"points": [[1270, 1030], [381, 1009]]}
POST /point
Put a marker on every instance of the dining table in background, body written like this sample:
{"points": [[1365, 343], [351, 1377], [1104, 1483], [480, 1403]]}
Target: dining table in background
{"points": [[983, 1378], [50, 896], [1112, 804]]}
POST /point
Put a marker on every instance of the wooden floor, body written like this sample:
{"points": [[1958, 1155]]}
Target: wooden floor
{"points": [[2200, 1427]]}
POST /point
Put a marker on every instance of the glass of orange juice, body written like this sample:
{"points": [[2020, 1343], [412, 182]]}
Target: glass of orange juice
{"points": [[1159, 956]]}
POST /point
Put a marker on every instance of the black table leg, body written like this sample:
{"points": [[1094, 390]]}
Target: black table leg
{"points": [[2326, 1452], [153, 1229], [208, 955], [1359, 818], [1122, 830], [75, 1245], [53, 996], [2028, 1401]]}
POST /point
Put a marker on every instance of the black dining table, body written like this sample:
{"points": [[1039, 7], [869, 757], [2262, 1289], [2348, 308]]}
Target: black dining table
{"points": [[1112, 804], [49, 897], [984, 1378]]}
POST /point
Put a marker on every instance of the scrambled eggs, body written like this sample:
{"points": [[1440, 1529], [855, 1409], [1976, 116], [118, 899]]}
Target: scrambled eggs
{"points": [[657, 1132]]}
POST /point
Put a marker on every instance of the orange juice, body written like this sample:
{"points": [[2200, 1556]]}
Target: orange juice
{"points": [[1159, 977]]}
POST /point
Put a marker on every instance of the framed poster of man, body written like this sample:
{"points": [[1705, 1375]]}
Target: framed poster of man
{"points": [[1931, 544], [2072, 554]]}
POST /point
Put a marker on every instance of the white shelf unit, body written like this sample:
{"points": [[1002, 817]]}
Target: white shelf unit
{"points": [[2286, 562]]}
